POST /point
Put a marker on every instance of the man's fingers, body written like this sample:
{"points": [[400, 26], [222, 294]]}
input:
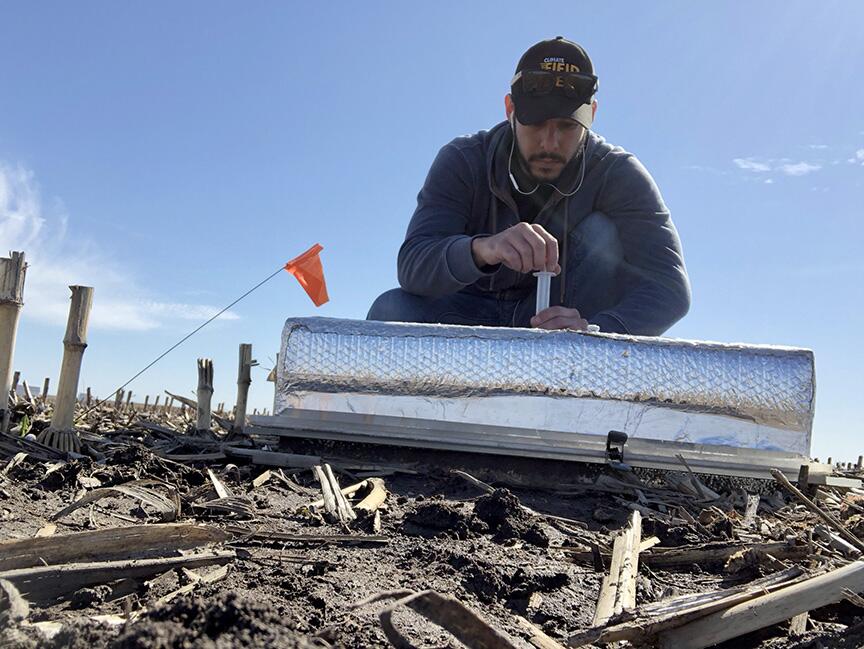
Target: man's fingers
{"points": [[523, 253], [517, 256], [505, 254], [554, 316], [531, 247], [538, 249], [551, 245], [556, 311], [543, 316], [528, 247], [561, 322], [526, 254], [511, 257]]}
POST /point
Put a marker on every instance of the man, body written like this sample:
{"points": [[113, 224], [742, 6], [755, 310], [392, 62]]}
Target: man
{"points": [[541, 192]]}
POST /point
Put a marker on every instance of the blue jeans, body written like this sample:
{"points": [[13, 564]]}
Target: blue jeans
{"points": [[594, 260]]}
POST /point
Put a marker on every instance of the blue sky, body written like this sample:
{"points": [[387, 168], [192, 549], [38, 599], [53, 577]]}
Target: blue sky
{"points": [[174, 154]]}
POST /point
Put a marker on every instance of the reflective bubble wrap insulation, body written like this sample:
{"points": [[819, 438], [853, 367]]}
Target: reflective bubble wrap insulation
{"points": [[744, 396]]}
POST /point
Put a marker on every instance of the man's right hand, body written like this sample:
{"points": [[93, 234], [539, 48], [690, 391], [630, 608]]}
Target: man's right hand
{"points": [[524, 247]]}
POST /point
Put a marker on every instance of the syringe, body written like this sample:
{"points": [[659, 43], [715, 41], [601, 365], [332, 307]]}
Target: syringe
{"points": [[544, 284]]}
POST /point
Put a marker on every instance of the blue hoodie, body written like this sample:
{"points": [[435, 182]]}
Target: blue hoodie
{"points": [[467, 195]]}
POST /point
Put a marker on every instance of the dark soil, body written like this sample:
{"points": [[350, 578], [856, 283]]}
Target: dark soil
{"points": [[444, 534], [503, 513], [438, 518]]}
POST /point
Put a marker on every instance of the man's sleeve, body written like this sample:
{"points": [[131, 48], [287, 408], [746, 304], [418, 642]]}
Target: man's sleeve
{"points": [[656, 287], [435, 259]]}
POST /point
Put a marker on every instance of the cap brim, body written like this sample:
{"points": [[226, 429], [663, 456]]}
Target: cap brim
{"points": [[533, 110]]}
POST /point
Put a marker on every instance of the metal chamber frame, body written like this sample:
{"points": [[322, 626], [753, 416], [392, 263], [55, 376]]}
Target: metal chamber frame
{"points": [[498, 440], [729, 409]]}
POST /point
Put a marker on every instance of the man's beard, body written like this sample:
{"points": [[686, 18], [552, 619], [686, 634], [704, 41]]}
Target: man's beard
{"points": [[538, 159]]}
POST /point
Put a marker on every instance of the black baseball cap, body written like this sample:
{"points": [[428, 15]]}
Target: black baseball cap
{"points": [[554, 78]]}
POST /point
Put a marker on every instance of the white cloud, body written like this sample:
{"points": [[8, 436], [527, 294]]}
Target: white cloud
{"points": [[56, 260], [859, 157], [750, 164], [799, 168], [789, 167], [769, 181]]}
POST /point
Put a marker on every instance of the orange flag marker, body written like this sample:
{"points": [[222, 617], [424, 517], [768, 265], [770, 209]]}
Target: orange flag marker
{"points": [[309, 272]]}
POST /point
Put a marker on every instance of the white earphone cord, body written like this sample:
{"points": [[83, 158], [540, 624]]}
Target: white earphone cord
{"points": [[537, 186]]}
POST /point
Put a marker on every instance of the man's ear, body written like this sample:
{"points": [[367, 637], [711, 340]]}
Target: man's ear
{"points": [[593, 110], [508, 107]]}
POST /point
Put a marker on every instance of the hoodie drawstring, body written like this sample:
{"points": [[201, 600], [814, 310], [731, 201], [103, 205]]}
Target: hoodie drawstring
{"points": [[494, 231], [563, 256]]}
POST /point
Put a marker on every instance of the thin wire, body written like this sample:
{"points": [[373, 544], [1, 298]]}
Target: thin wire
{"points": [[552, 185], [181, 341]]}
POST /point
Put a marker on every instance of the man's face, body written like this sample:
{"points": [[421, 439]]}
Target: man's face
{"points": [[547, 147]]}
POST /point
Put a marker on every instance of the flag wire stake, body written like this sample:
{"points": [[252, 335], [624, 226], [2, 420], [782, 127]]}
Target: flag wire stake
{"points": [[180, 342]]}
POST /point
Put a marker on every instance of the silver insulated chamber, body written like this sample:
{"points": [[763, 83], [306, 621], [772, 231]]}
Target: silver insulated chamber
{"points": [[542, 393]]}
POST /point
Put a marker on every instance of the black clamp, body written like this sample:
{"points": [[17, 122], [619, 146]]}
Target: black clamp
{"points": [[615, 442]]}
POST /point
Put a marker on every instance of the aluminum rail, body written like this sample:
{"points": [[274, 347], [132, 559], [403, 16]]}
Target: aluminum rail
{"points": [[551, 445]]}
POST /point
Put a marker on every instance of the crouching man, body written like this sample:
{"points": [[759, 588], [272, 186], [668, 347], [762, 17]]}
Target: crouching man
{"points": [[541, 192]]}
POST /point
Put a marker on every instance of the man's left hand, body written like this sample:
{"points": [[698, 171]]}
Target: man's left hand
{"points": [[559, 317]]}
